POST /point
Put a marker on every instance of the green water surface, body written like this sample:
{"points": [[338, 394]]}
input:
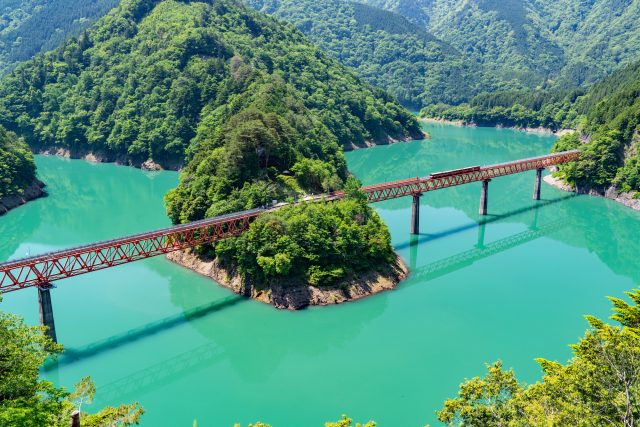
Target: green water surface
{"points": [[511, 286]]}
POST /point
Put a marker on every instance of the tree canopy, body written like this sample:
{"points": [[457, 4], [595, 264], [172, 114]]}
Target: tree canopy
{"points": [[311, 243], [28, 401], [599, 386], [28, 27], [384, 48]]}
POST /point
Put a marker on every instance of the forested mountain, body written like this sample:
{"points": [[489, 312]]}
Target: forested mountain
{"points": [[243, 96], [28, 27], [527, 44], [383, 47]]}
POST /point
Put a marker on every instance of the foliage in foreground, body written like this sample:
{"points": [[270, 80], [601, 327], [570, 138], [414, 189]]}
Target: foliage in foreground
{"points": [[599, 386], [315, 243], [28, 401], [17, 169]]}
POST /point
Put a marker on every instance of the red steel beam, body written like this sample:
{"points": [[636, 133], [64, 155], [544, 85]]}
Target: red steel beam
{"points": [[41, 269], [37, 270]]}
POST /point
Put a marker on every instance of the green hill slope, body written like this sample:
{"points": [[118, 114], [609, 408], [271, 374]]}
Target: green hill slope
{"points": [[28, 27], [383, 47], [17, 170], [528, 44]]}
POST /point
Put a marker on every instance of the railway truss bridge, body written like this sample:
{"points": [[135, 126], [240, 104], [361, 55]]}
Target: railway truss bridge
{"points": [[41, 270]]}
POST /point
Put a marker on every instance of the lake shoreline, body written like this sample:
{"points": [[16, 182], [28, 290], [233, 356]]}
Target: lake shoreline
{"points": [[32, 192], [295, 296], [104, 157], [611, 193], [461, 123], [151, 165]]}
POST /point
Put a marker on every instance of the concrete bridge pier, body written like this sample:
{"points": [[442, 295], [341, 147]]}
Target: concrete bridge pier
{"points": [[46, 310], [484, 197], [415, 214], [537, 184]]}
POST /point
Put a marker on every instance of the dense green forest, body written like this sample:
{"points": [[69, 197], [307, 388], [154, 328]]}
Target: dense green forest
{"points": [[532, 44], [599, 386], [315, 243], [28, 27], [384, 48], [17, 169]]}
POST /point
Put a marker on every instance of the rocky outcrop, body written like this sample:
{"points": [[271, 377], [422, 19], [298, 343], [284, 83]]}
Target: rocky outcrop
{"points": [[34, 191], [294, 295], [105, 157], [630, 200], [386, 140]]}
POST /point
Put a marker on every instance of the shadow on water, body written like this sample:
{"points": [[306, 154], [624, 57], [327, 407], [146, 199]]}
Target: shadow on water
{"points": [[72, 355], [154, 376], [423, 238]]}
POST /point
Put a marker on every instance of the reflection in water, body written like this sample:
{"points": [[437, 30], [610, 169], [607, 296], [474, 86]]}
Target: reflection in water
{"points": [[215, 360], [423, 238], [279, 331], [465, 259]]}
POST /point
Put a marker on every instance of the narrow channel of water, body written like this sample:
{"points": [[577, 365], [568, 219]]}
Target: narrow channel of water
{"points": [[512, 286]]}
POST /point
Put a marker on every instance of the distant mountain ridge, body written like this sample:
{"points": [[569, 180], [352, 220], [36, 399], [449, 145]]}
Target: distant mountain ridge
{"points": [[385, 48], [532, 44]]}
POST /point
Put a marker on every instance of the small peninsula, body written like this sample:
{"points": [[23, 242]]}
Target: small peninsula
{"points": [[314, 253]]}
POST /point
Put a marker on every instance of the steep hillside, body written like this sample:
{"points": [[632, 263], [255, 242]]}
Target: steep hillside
{"points": [[28, 27], [383, 47], [240, 95], [528, 44]]}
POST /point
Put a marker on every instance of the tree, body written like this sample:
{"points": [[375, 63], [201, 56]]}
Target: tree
{"points": [[599, 386], [28, 401]]}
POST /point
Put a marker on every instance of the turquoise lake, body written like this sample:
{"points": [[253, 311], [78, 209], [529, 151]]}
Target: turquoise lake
{"points": [[513, 285]]}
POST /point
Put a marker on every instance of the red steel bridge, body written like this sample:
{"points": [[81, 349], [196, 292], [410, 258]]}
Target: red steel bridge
{"points": [[41, 270]]}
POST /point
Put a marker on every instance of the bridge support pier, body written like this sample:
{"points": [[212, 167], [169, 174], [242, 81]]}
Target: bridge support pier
{"points": [[46, 310], [415, 214], [484, 197], [537, 184]]}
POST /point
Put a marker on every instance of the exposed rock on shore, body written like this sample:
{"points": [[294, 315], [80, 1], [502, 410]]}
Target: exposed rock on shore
{"points": [[103, 157], [627, 199], [292, 295], [387, 140], [34, 191], [538, 130]]}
